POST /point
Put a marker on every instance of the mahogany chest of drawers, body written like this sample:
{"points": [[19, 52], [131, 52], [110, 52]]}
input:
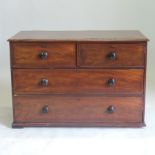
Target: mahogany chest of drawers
{"points": [[78, 78]]}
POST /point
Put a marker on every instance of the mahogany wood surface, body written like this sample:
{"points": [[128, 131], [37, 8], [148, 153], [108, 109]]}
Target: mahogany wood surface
{"points": [[97, 55], [77, 81], [77, 109], [91, 35], [58, 55], [80, 124], [78, 78]]}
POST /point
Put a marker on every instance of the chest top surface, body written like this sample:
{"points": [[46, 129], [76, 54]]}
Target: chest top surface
{"points": [[92, 35]]}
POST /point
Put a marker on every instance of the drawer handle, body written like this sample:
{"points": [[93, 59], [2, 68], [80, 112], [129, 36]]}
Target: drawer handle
{"points": [[43, 55], [111, 109], [112, 55], [44, 82], [111, 82], [45, 109]]}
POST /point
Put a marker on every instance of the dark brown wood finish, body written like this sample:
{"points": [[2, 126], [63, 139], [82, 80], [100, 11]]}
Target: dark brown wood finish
{"points": [[111, 55], [77, 109], [78, 78], [45, 55], [78, 81], [75, 36]]}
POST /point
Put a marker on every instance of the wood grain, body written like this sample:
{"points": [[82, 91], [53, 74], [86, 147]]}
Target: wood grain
{"points": [[65, 109], [80, 124], [28, 55], [67, 79], [92, 35], [96, 55], [27, 81]]}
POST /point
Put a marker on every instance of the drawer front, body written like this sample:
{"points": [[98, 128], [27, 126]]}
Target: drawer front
{"points": [[61, 109], [111, 55], [35, 55], [39, 81]]}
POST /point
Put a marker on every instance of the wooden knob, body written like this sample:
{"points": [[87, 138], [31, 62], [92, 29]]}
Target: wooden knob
{"points": [[45, 109], [43, 55], [111, 82], [44, 82], [112, 55], [111, 109]]}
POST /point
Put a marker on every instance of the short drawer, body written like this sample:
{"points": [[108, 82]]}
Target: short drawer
{"points": [[111, 55], [83, 109], [70, 81], [35, 55]]}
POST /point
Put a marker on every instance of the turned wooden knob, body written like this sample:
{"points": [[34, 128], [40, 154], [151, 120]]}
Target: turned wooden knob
{"points": [[111, 82], [112, 55], [111, 109], [43, 55], [44, 82], [45, 109]]}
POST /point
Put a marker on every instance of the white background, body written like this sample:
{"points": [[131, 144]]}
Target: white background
{"points": [[17, 15]]}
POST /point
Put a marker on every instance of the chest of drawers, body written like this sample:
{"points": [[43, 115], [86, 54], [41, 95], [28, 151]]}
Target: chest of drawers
{"points": [[78, 78]]}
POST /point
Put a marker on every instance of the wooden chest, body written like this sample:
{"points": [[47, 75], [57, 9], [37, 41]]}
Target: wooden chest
{"points": [[78, 78]]}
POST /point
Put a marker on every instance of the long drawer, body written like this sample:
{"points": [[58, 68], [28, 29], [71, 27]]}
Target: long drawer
{"points": [[63, 109], [39, 81]]}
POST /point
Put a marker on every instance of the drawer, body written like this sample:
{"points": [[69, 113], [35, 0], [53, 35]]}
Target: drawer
{"points": [[83, 109], [111, 55], [34, 55], [85, 81]]}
